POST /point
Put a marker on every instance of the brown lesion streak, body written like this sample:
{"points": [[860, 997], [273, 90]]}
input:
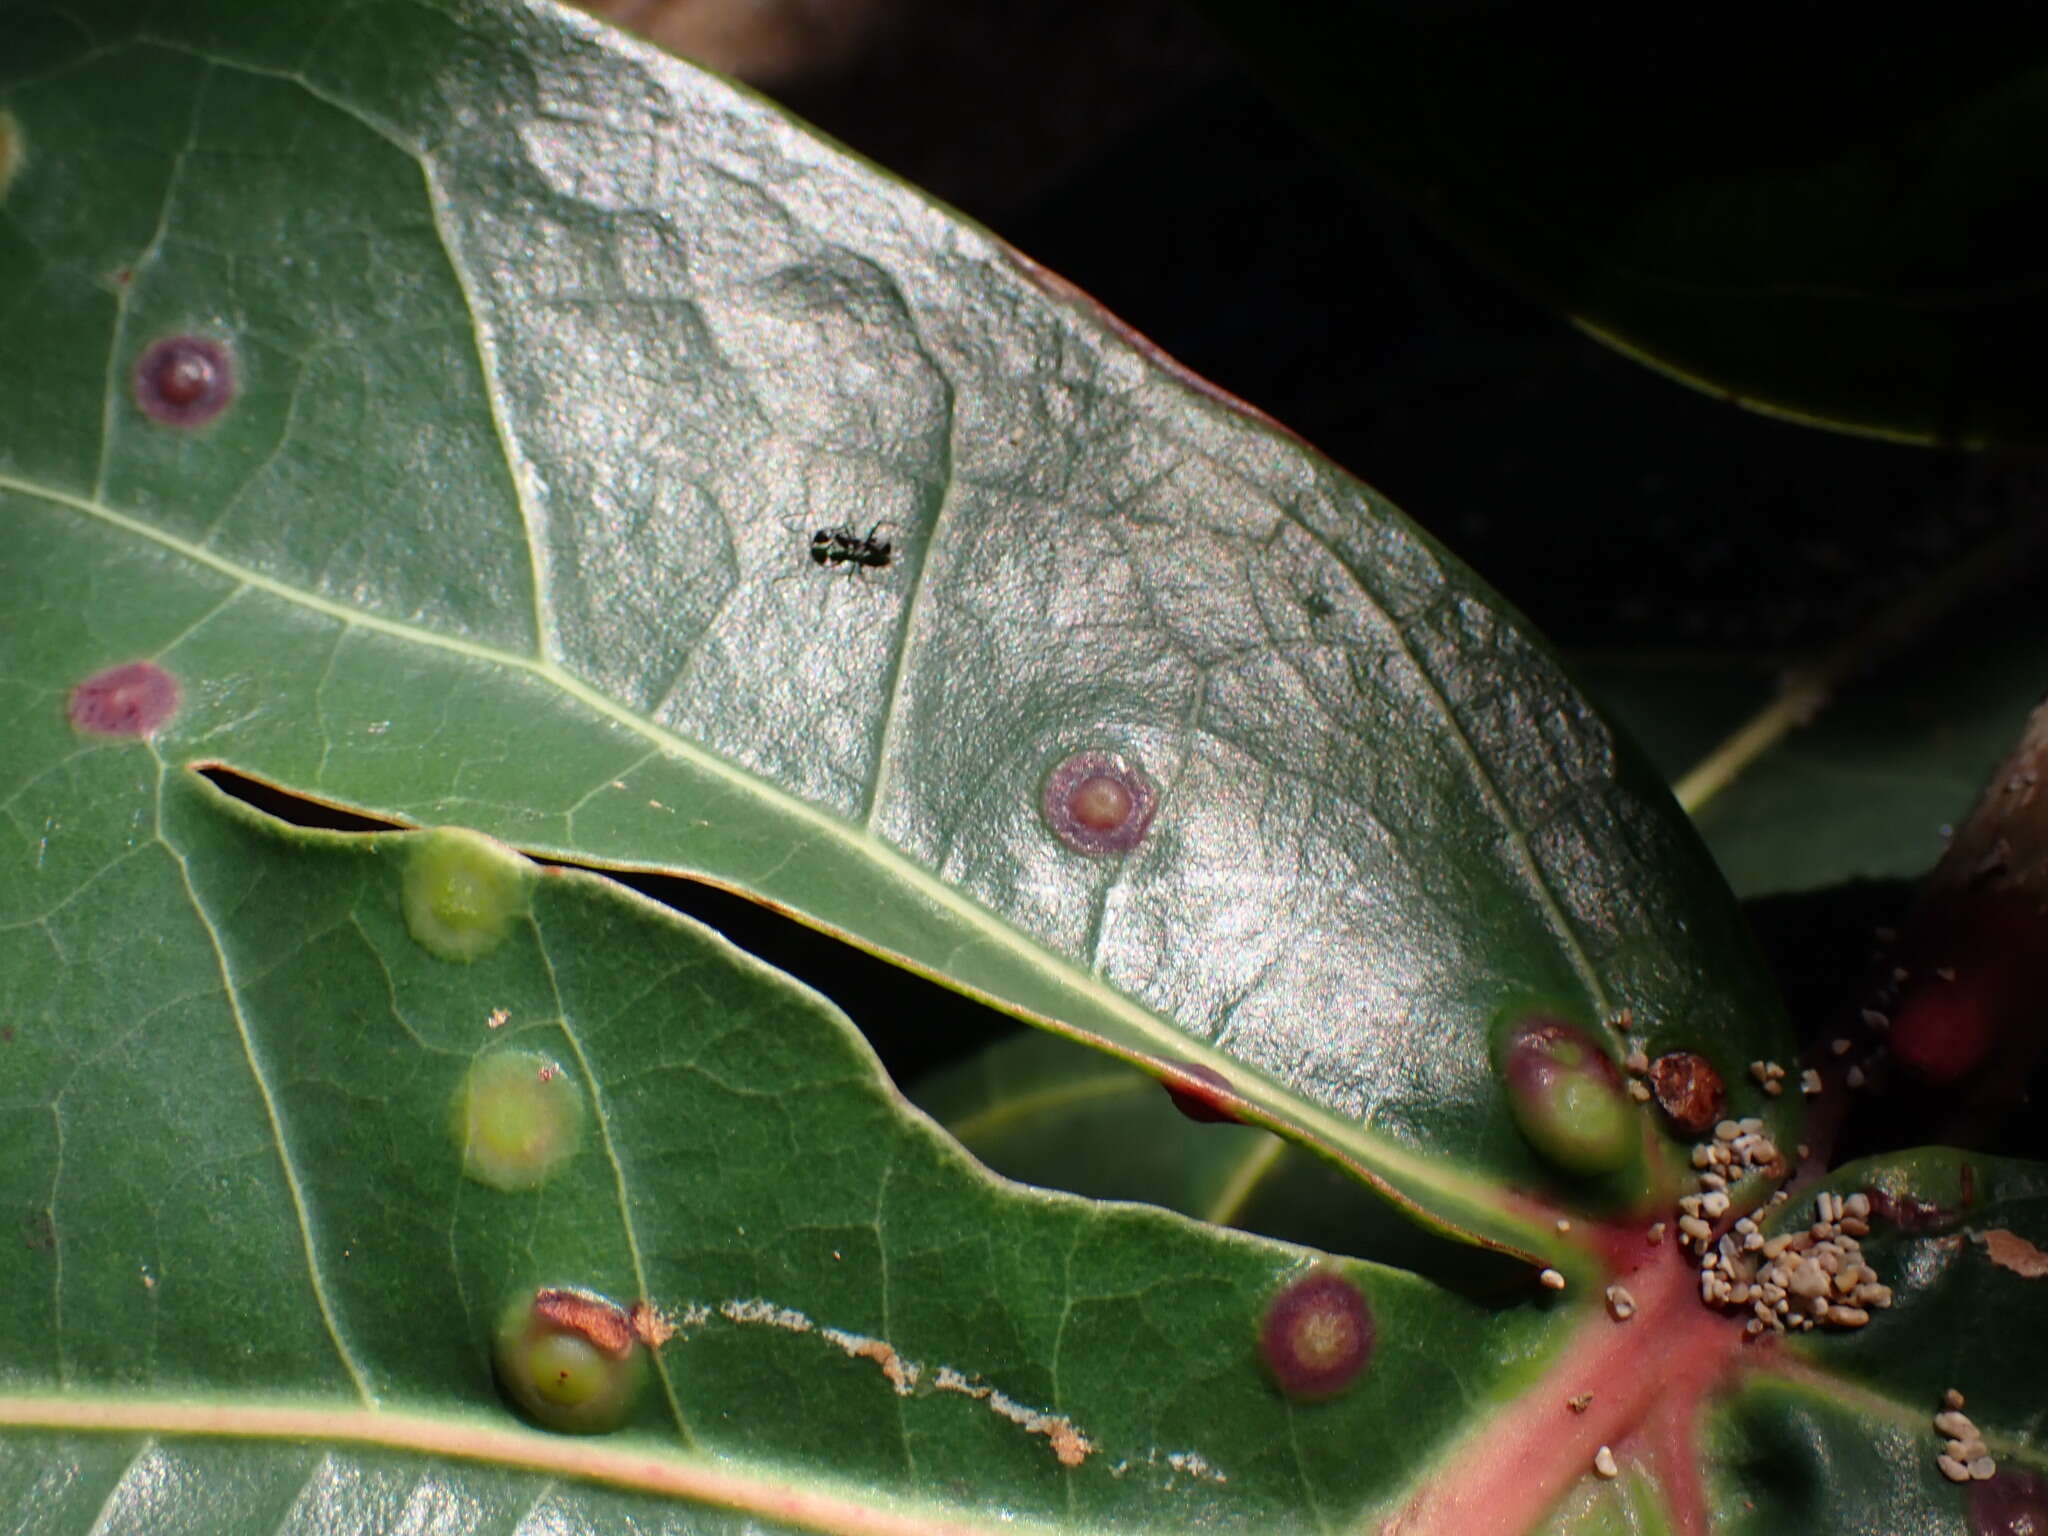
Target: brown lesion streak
{"points": [[601, 1324], [1645, 1380]]}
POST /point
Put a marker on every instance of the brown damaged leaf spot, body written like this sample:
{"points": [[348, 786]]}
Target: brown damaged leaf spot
{"points": [[1068, 1443], [651, 1326], [599, 1322], [1909, 1213], [2008, 1250], [1689, 1090]]}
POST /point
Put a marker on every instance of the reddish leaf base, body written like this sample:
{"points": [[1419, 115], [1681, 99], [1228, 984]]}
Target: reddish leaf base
{"points": [[1646, 1379]]}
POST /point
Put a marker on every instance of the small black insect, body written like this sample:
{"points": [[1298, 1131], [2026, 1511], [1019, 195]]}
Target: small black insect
{"points": [[844, 546]]}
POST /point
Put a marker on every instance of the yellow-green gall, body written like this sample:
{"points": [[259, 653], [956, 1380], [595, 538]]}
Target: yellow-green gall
{"points": [[517, 1118], [570, 1360], [463, 891], [1566, 1096], [12, 151]]}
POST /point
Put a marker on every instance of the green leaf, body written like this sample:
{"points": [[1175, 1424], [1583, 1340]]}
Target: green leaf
{"points": [[528, 367], [1958, 1302], [1844, 1431], [1821, 223], [253, 1207], [190, 1487], [515, 503], [1037, 1109]]}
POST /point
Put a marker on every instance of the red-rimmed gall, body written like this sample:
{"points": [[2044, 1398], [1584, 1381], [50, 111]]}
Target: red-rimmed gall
{"points": [[1317, 1336], [1566, 1096], [1098, 802], [184, 381]]}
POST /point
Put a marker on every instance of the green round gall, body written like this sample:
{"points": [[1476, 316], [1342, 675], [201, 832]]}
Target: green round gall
{"points": [[566, 1370], [569, 1359], [13, 151], [463, 891], [1566, 1097], [517, 1118]]}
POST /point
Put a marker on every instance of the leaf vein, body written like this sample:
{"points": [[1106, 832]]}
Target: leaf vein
{"points": [[917, 563], [110, 391], [604, 1134], [1482, 779], [270, 1108]]}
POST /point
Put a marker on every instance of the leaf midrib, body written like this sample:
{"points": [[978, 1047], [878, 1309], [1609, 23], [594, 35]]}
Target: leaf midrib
{"points": [[635, 1466]]}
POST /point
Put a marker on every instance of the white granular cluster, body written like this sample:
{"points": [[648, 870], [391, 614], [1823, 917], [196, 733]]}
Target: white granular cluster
{"points": [[1637, 1065], [1808, 1279], [1737, 1149], [1964, 1458], [1795, 1281]]}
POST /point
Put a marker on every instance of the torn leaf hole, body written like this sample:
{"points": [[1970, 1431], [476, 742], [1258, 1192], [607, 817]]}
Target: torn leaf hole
{"points": [[919, 1028], [287, 806], [916, 1026]]}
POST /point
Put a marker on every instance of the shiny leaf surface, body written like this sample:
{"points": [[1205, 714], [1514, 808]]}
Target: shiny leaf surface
{"points": [[534, 426]]}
